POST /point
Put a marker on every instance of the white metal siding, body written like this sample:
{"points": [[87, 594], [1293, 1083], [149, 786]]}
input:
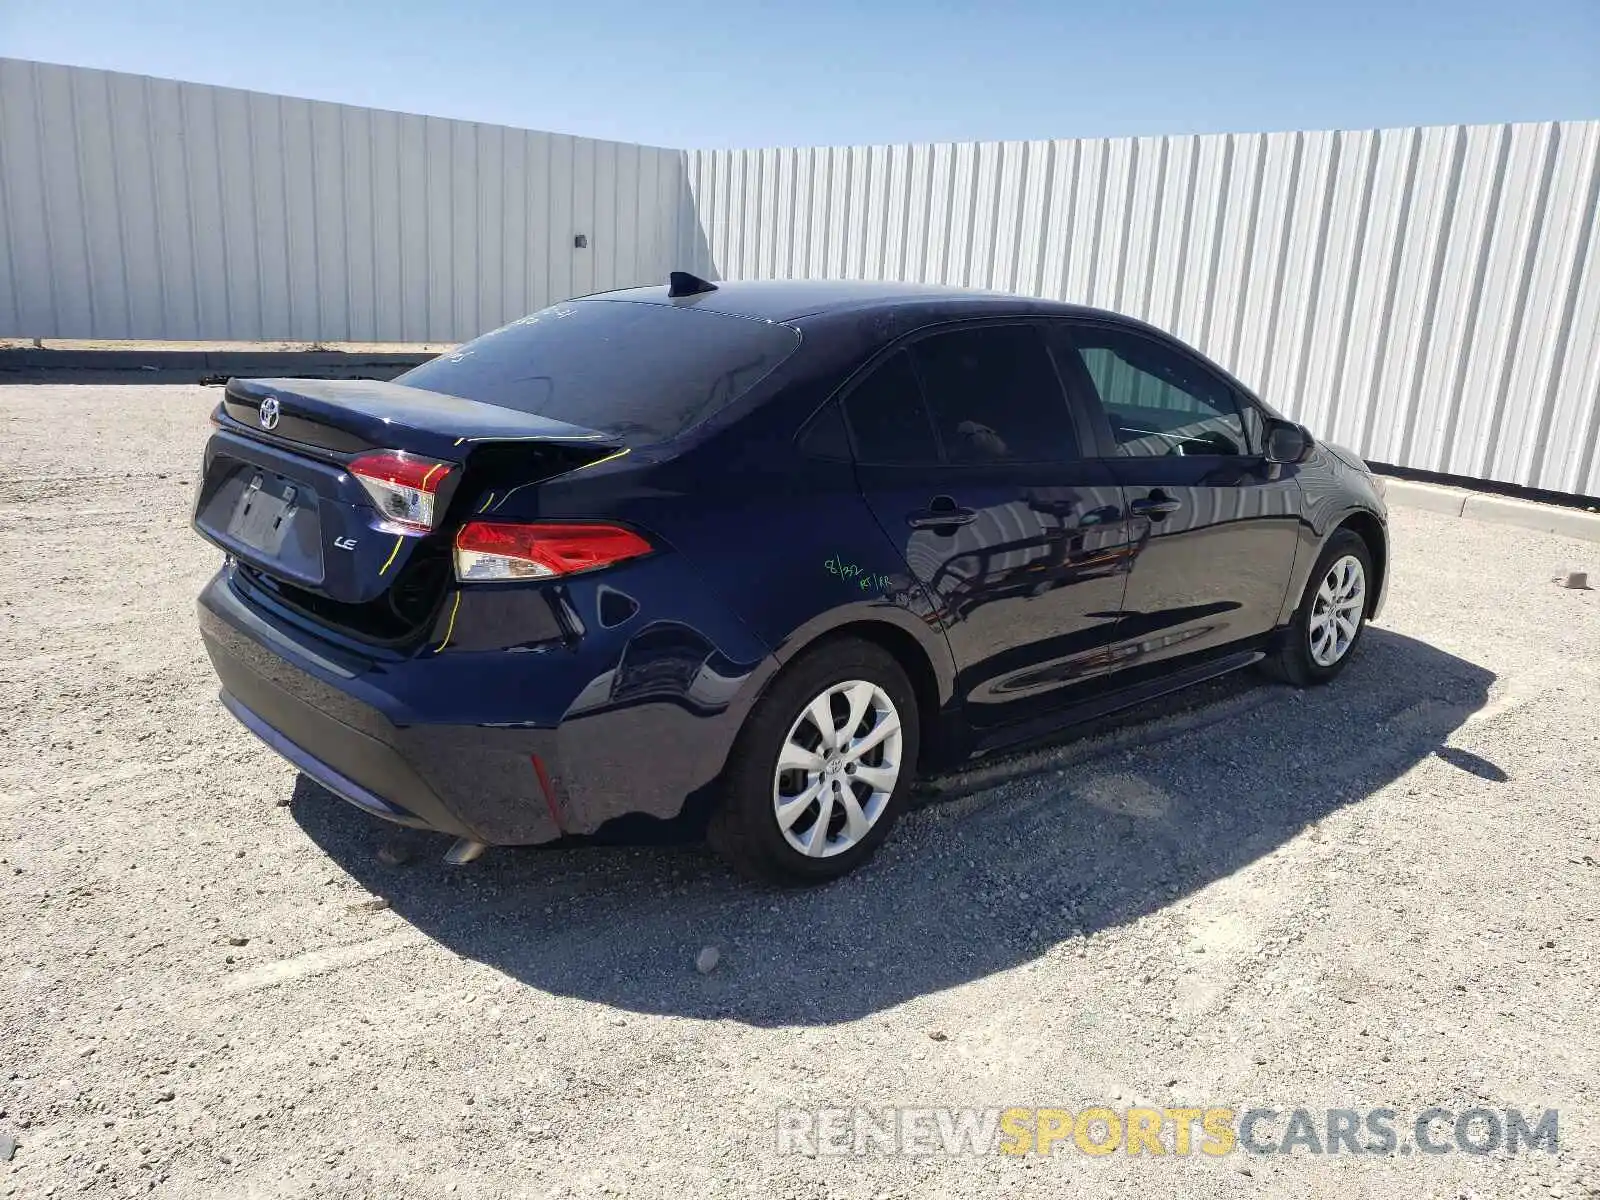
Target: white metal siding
{"points": [[1429, 297], [133, 207]]}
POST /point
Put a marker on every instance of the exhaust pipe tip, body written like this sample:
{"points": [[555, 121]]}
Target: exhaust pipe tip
{"points": [[463, 851]]}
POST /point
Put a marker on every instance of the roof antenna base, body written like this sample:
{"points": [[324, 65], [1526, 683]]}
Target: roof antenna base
{"points": [[681, 283]]}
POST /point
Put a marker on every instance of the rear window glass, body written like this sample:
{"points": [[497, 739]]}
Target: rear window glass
{"points": [[640, 372]]}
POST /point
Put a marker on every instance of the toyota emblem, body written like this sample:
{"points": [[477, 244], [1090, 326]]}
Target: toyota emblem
{"points": [[269, 413]]}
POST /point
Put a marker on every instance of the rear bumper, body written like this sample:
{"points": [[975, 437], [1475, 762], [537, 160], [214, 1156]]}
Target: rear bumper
{"points": [[500, 747], [321, 773], [426, 777]]}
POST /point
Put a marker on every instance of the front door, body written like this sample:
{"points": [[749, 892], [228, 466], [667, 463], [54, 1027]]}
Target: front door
{"points": [[971, 461], [1213, 526]]}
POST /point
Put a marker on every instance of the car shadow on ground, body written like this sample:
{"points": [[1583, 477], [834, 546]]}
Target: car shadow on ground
{"points": [[1002, 864]]}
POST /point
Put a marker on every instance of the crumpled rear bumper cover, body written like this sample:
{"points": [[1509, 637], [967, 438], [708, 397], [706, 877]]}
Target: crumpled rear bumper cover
{"points": [[558, 743], [320, 772], [459, 780]]}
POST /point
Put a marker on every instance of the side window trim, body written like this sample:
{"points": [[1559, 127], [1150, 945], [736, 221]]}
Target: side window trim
{"points": [[1253, 419], [829, 410], [860, 378], [922, 335], [1082, 396], [1105, 439]]}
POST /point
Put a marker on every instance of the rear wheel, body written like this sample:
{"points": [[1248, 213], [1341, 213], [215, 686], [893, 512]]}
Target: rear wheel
{"points": [[1331, 617], [822, 767]]}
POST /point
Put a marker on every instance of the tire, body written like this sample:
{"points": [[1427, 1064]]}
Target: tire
{"points": [[1303, 655], [747, 829]]}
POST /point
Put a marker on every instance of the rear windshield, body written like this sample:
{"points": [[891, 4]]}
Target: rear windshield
{"points": [[640, 372]]}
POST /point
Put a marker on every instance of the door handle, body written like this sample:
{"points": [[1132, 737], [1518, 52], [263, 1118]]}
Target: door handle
{"points": [[942, 512], [1155, 506]]}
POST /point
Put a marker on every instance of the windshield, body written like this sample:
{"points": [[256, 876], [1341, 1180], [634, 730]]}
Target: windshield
{"points": [[641, 373]]}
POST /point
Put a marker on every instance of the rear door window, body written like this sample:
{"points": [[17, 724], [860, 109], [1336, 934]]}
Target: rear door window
{"points": [[888, 419], [641, 373], [994, 395]]}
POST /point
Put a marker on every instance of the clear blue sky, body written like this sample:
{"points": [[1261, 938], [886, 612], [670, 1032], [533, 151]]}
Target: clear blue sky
{"points": [[754, 72]]}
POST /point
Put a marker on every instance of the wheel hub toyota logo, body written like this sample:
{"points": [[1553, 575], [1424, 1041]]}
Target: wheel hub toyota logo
{"points": [[269, 413]]}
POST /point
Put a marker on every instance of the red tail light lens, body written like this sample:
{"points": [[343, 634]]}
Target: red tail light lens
{"points": [[403, 487], [493, 551]]}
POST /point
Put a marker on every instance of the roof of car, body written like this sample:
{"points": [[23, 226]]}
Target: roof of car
{"points": [[790, 299]]}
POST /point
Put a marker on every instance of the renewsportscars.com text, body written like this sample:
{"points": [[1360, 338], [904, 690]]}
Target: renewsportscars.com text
{"points": [[1100, 1130]]}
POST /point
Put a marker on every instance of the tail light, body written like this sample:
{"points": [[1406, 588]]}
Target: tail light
{"points": [[492, 551], [403, 487]]}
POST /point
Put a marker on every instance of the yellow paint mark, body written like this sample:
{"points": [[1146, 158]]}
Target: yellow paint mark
{"points": [[486, 503], [460, 440], [390, 561], [606, 459], [574, 471], [432, 471], [451, 628]]}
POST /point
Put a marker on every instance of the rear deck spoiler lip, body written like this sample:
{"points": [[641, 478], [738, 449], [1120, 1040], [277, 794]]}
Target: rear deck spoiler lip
{"points": [[369, 406]]}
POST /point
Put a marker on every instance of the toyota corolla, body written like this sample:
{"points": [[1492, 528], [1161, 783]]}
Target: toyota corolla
{"points": [[773, 548]]}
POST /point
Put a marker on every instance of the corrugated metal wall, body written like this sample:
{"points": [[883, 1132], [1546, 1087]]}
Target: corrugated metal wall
{"points": [[1429, 297], [133, 207]]}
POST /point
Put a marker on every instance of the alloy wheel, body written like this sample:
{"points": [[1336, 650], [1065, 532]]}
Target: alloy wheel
{"points": [[1337, 611], [838, 768]]}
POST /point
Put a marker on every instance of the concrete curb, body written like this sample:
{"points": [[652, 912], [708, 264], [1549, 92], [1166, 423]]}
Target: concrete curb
{"points": [[1500, 510]]}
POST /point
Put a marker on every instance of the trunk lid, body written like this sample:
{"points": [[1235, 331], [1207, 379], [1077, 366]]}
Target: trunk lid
{"points": [[354, 415], [278, 495]]}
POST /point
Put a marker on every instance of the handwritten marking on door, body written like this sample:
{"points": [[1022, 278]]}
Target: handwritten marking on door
{"points": [[851, 573]]}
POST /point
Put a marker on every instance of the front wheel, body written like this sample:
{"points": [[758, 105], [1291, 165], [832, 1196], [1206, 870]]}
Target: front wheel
{"points": [[822, 767], [1331, 617]]}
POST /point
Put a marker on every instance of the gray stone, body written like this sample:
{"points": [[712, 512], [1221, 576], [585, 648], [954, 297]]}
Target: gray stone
{"points": [[393, 854]]}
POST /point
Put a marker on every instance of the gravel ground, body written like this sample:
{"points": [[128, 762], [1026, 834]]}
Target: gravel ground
{"points": [[217, 980]]}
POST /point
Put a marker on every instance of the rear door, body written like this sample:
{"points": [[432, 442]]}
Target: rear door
{"points": [[1212, 524], [972, 463]]}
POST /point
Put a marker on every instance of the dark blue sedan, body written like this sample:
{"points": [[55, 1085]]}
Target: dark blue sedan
{"points": [[768, 547]]}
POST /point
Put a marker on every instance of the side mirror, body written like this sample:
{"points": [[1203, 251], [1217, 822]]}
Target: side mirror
{"points": [[1288, 442]]}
